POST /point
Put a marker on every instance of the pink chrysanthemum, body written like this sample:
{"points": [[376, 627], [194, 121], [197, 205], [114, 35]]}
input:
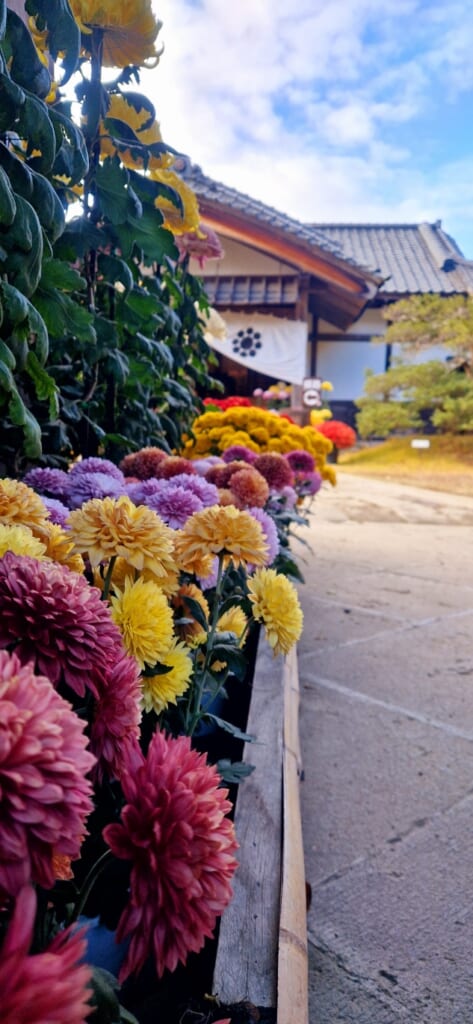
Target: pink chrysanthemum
{"points": [[300, 461], [249, 488], [275, 469], [46, 480], [144, 463], [239, 452], [57, 621], [173, 466], [115, 731], [45, 797], [181, 845], [202, 245], [221, 474], [51, 986]]}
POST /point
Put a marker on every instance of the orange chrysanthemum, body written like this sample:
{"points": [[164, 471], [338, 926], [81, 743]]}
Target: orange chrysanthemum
{"points": [[187, 627], [250, 488], [220, 530], [20, 504], [60, 548]]}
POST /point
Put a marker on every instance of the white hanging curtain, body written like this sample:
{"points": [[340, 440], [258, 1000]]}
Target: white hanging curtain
{"points": [[268, 344]]}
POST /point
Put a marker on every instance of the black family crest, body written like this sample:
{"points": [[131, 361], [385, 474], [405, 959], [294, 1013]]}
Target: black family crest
{"points": [[247, 342]]}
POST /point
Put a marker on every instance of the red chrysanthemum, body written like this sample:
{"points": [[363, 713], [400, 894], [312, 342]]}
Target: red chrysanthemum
{"points": [[143, 464], [275, 469], [249, 487], [57, 620], [181, 845], [52, 986], [115, 731], [339, 433], [45, 797], [174, 465]]}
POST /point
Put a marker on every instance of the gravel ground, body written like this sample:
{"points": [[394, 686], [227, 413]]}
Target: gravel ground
{"points": [[386, 673]]}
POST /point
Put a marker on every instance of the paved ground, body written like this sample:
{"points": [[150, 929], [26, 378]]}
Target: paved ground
{"points": [[386, 671]]}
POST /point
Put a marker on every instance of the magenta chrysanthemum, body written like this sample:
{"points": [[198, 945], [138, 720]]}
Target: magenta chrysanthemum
{"points": [[45, 798], [46, 480], [83, 487], [239, 452], [96, 465], [54, 618], [300, 461], [143, 464], [51, 986], [181, 846], [203, 489], [270, 532], [174, 504], [115, 729]]}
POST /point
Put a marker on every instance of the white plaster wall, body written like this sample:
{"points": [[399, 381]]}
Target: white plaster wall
{"points": [[344, 364], [241, 259], [370, 322]]}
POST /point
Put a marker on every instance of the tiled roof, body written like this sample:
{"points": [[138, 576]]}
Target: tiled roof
{"points": [[252, 290], [415, 258]]}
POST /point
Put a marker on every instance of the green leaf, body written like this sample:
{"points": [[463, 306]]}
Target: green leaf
{"points": [[6, 356], [63, 31], [48, 206], [45, 386], [115, 270], [64, 316], [57, 274], [3, 18], [7, 200], [21, 316], [234, 771], [229, 727], [72, 159], [233, 657], [12, 98], [25, 242], [148, 235], [20, 175], [117, 201], [23, 60], [22, 417], [35, 127], [196, 610], [78, 237]]}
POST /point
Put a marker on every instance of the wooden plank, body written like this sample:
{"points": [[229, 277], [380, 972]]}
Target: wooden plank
{"points": [[292, 998], [246, 963]]}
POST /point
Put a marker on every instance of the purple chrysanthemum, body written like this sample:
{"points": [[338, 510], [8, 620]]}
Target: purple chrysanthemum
{"points": [[300, 461], [308, 483], [96, 465], [56, 620], [58, 512], [202, 465], [239, 452], [209, 581], [141, 490], [270, 532], [52, 482], [285, 498], [174, 504], [84, 486], [205, 491]]}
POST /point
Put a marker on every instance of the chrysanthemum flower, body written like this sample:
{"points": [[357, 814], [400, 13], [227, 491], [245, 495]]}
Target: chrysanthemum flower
{"points": [[20, 539], [95, 465], [143, 464], [45, 480], [107, 528], [126, 111], [276, 605], [270, 532], [275, 469], [234, 621], [56, 620], [82, 487], [204, 490], [221, 474], [179, 221], [51, 986], [115, 730], [308, 483], [45, 797], [249, 488], [159, 691], [129, 30], [201, 245], [181, 845], [173, 504], [60, 548], [300, 461], [20, 504], [190, 630], [174, 465], [223, 531], [58, 512], [123, 570], [144, 618], [238, 452]]}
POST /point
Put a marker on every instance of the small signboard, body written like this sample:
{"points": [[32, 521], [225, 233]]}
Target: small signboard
{"points": [[420, 442], [311, 396]]}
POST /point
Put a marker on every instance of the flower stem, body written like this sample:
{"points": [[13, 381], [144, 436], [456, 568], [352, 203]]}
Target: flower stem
{"points": [[89, 883], [108, 578]]}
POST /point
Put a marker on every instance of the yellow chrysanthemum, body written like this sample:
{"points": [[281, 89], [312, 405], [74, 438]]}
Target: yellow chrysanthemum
{"points": [[190, 630], [129, 29], [176, 220], [108, 527], [20, 540], [20, 504], [144, 618], [220, 530], [160, 690], [326, 386], [319, 416], [60, 548], [123, 570], [276, 605], [233, 620], [126, 112]]}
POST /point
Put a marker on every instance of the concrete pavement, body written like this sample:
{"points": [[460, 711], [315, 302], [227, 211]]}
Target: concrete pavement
{"points": [[386, 674]]}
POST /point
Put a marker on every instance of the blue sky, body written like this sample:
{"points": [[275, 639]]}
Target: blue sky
{"points": [[342, 110]]}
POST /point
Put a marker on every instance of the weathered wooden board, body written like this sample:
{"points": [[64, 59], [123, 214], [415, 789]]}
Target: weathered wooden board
{"points": [[292, 998], [246, 964]]}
